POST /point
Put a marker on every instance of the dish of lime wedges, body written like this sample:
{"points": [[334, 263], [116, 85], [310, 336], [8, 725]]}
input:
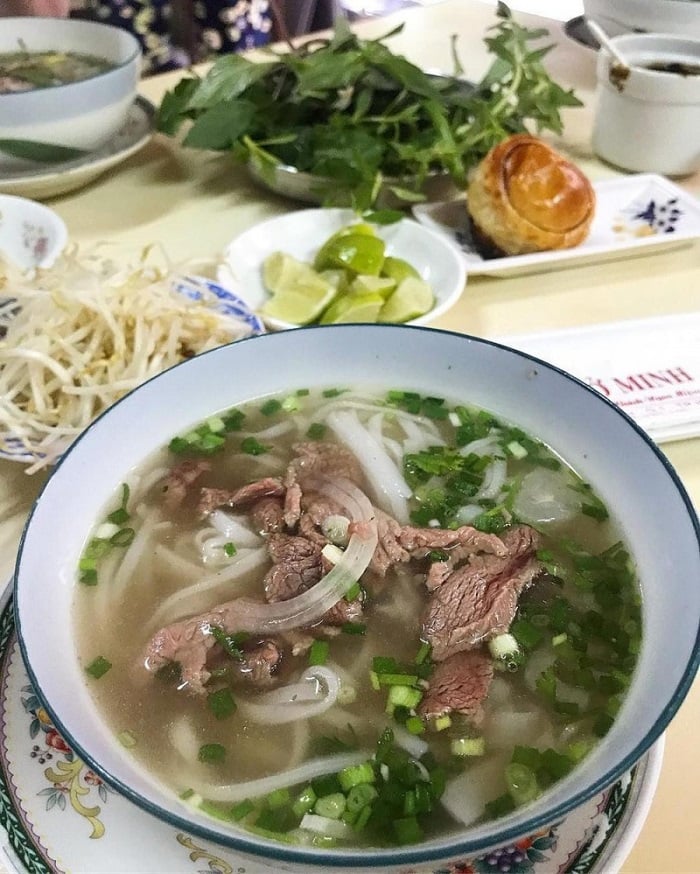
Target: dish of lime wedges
{"points": [[326, 266]]}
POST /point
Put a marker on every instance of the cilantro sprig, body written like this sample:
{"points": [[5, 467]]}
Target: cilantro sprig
{"points": [[351, 110]]}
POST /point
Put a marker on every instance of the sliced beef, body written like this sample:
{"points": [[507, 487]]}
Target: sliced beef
{"points": [[421, 541], [189, 642], [260, 663], [343, 611], [329, 460], [267, 515], [244, 496], [459, 684], [297, 563], [479, 600], [180, 479], [389, 551]]}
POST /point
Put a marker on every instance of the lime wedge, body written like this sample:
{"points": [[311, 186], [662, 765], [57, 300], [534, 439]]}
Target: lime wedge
{"points": [[412, 298], [302, 301], [360, 253], [398, 269], [373, 285], [339, 279], [353, 308], [280, 270]]}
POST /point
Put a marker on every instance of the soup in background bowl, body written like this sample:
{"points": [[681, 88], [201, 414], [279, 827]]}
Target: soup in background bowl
{"points": [[401, 406], [86, 82]]}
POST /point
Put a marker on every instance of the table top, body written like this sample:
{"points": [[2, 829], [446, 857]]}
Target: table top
{"points": [[194, 203]]}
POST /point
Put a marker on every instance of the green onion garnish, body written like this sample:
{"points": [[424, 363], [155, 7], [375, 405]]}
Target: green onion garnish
{"points": [[98, 667]]}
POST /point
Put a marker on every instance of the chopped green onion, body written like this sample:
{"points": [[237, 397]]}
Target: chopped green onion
{"points": [[278, 798], [230, 549], [316, 431], [123, 537], [522, 783], [397, 679], [251, 446], [242, 809], [318, 652], [407, 830], [98, 667], [221, 703], [88, 577], [415, 725], [423, 653], [404, 696], [304, 801], [127, 739], [211, 753], [356, 774], [468, 746], [353, 592], [516, 449], [331, 806], [269, 408], [442, 722]]}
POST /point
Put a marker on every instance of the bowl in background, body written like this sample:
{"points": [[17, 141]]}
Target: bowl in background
{"points": [[302, 233], [649, 119], [639, 16], [31, 235], [623, 465], [71, 119]]}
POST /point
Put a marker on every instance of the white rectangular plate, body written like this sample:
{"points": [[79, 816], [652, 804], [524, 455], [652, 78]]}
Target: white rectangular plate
{"points": [[649, 367], [635, 215]]}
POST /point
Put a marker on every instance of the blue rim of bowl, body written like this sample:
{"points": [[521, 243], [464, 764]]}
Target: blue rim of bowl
{"points": [[416, 854], [136, 53], [230, 304]]}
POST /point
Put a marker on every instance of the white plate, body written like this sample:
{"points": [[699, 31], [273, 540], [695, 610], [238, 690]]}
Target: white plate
{"points": [[14, 449], [58, 816], [51, 180], [303, 232], [635, 215]]}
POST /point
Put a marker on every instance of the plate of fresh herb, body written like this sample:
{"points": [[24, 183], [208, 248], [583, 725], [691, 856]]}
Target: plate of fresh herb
{"points": [[352, 111]]}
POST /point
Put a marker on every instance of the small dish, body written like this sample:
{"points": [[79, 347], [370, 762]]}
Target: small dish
{"points": [[635, 215], [56, 808], [12, 448], [31, 235], [302, 233], [51, 180]]}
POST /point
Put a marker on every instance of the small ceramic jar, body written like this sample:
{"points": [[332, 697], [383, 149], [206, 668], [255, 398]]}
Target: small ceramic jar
{"points": [[648, 117]]}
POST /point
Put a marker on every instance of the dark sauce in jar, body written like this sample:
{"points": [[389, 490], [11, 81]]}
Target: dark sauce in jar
{"points": [[680, 68]]}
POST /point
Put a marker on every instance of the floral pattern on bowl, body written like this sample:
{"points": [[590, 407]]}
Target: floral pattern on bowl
{"points": [[58, 815], [31, 234]]}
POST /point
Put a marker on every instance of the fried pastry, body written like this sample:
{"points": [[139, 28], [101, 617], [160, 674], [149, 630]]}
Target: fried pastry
{"points": [[526, 197]]}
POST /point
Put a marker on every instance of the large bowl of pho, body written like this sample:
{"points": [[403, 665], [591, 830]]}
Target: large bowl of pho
{"points": [[361, 596], [66, 86]]}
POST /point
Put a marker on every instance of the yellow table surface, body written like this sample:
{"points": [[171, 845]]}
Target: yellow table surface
{"points": [[193, 203]]}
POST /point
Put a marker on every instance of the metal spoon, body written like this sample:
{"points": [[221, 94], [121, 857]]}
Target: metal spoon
{"points": [[605, 41]]}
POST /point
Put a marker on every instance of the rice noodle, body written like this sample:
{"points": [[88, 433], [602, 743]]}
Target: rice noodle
{"points": [[84, 333], [391, 490], [315, 692], [302, 774], [184, 601]]}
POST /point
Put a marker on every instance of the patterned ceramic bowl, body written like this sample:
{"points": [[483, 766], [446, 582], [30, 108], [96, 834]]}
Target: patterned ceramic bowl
{"points": [[623, 465], [48, 125], [31, 235]]}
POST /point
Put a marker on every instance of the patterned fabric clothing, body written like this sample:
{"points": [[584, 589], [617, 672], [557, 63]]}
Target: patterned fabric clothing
{"points": [[219, 26]]}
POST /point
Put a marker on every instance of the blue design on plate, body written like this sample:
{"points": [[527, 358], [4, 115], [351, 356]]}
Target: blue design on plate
{"points": [[189, 286], [661, 216]]}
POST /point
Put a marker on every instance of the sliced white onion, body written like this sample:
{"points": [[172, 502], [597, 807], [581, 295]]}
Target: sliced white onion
{"points": [[302, 774], [308, 607], [468, 513], [390, 488], [315, 692], [324, 825], [483, 446], [494, 479]]}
